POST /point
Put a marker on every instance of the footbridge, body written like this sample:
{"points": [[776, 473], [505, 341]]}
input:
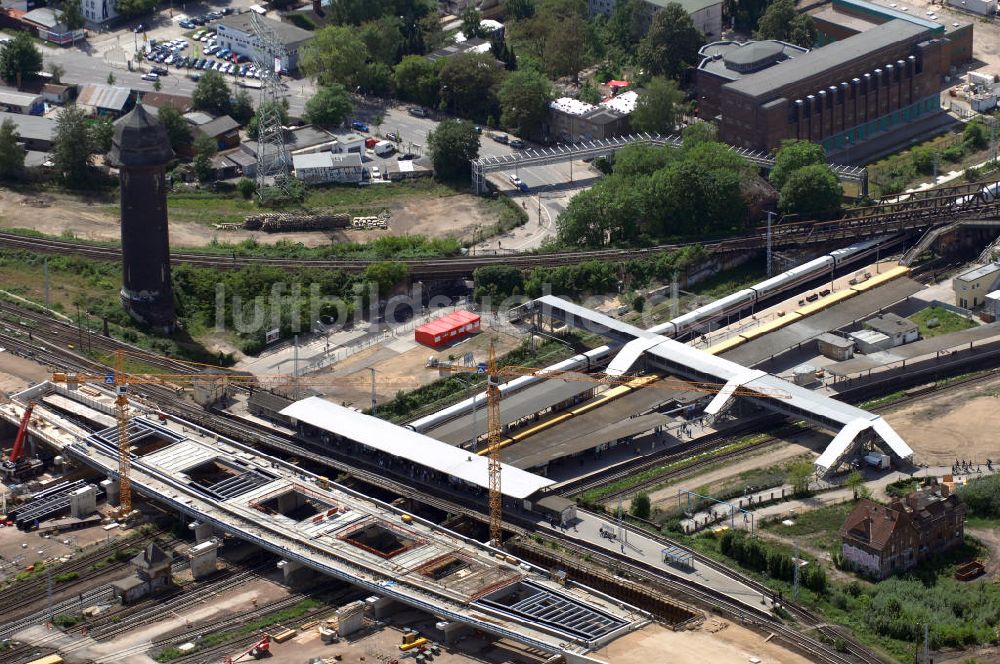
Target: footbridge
{"points": [[599, 148], [647, 351]]}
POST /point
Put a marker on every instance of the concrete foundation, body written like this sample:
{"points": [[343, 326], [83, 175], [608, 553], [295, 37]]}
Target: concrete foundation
{"points": [[296, 575], [204, 559], [350, 618], [453, 631], [202, 531], [83, 502], [112, 492], [382, 607], [289, 501]]}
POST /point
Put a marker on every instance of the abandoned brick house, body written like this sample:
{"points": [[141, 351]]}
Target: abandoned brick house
{"points": [[152, 573], [879, 540]]}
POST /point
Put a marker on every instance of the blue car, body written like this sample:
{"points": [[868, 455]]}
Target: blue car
{"points": [[360, 126], [187, 25]]}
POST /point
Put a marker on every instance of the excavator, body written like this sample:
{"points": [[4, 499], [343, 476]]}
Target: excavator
{"points": [[17, 465]]}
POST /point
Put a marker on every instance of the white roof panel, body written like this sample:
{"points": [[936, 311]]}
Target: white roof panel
{"points": [[629, 355], [892, 439], [841, 443], [405, 444]]}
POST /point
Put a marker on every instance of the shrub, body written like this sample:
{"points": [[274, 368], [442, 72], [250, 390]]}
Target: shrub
{"points": [[953, 153], [640, 506]]}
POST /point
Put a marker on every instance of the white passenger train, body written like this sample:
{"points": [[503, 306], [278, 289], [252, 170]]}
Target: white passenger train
{"points": [[988, 193], [748, 297]]}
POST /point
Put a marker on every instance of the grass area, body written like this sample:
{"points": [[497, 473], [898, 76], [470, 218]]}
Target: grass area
{"points": [[983, 522], [935, 321], [818, 528], [594, 496], [246, 629], [884, 400], [887, 616], [207, 208]]}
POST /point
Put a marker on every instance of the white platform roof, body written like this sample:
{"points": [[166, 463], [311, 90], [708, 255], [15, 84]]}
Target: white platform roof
{"points": [[849, 421], [406, 444]]}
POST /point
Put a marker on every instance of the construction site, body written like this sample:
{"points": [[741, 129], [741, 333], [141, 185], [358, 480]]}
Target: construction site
{"points": [[634, 500]]}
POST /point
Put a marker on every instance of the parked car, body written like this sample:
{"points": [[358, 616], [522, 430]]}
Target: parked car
{"points": [[516, 143], [392, 136], [500, 138], [150, 77], [406, 156], [418, 111], [359, 126], [376, 174], [478, 129], [224, 53], [195, 77], [516, 181], [159, 71], [187, 25], [142, 27]]}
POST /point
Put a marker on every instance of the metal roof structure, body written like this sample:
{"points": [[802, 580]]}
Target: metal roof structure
{"points": [[289, 34], [31, 127], [100, 96], [405, 444], [673, 357], [818, 62]]}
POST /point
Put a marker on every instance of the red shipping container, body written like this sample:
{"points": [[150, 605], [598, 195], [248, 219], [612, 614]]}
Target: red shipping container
{"points": [[447, 329]]}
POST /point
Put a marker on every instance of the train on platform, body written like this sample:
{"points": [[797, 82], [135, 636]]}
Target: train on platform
{"points": [[752, 296], [987, 194]]}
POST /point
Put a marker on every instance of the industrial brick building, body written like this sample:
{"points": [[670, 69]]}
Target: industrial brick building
{"points": [[879, 540], [848, 92], [841, 19]]}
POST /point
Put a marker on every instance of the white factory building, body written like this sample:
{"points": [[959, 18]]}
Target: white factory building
{"points": [[235, 32]]}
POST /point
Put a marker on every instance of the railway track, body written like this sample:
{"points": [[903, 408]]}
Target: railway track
{"points": [[12, 599], [923, 210], [383, 477]]}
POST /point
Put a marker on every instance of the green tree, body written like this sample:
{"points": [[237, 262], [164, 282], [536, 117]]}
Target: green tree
{"points": [[589, 94], [469, 84], [811, 191], [642, 160], [518, 10], [698, 133], [799, 475], [178, 129], [672, 43], [19, 58], [111, 78], [524, 102], [640, 507], [627, 24], [335, 54], [658, 107], [211, 94], [11, 154], [453, 144], [854, 482], [384, 39], [565, 52], [376, 79], [781, 21], [72, 152], [471, 19], [267, 107], [204, 150], [71, 14], [792, 156], [976, 135], [246, 187], [135, 7], [242, 107], [606, 214], [416, 80], [386, 275], [102, 131], [329, 107]]}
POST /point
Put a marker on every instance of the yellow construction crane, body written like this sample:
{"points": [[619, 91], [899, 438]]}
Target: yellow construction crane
{"points": [[495, 375], [119, 380]]}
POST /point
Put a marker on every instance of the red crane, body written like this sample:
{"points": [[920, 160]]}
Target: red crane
{"points": [[22, 434]]}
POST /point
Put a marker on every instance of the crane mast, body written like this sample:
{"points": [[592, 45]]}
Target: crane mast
{"points": [[124, 451], [495, 426]]}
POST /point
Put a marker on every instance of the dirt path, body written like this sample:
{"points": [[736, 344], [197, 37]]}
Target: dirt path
{"points": [[97, 219], [956, 424], [991, 538]]}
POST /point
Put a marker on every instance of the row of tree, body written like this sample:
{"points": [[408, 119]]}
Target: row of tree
{"points": [[760, 556]]}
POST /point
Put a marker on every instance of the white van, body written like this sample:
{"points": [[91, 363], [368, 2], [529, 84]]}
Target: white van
{"points": [[383, 148]]}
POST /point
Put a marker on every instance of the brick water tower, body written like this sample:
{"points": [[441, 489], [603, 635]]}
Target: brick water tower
{"points": [[141, 150]]}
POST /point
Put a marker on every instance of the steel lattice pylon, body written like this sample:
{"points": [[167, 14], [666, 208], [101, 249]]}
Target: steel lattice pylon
{"points": [[495, 426], [273, 163]]}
